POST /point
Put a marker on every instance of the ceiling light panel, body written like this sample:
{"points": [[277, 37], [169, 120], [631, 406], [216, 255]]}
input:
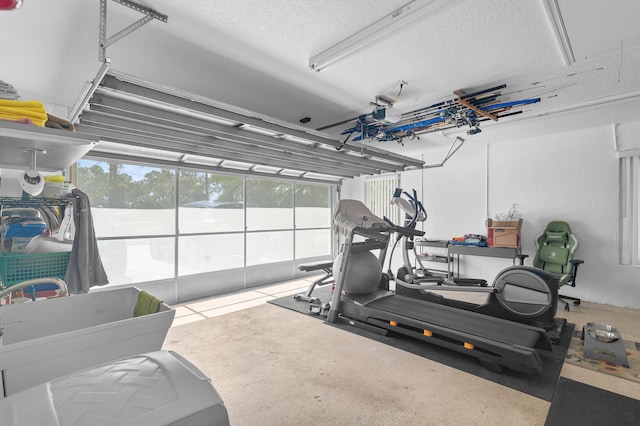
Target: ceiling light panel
{"points": [[401, 19], [559, 30]]}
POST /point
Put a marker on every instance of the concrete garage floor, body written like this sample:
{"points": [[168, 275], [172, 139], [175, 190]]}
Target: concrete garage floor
{"points": [[273, 366]]}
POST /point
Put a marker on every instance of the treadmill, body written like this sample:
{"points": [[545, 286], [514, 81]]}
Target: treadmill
{"points": [[496, 342]]}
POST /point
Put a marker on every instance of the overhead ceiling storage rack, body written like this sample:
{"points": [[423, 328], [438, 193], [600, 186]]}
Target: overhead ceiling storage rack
{"points": [[138, 120]]}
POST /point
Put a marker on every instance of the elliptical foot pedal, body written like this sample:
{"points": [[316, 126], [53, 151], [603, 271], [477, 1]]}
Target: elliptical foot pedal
{"points": [[470, 282], [430, 279]]}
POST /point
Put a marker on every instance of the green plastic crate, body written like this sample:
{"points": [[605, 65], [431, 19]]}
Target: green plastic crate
{"points": [[18, 267]]}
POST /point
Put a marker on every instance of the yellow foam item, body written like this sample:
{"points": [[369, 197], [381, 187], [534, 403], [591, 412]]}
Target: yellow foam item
{"points": [[26, 112], [54, 178], [12, 117], [33, 118], [21, 104], [17, 110]]}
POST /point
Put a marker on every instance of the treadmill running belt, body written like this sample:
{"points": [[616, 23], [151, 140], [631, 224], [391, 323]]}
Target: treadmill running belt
{"points": [[496, 329]]}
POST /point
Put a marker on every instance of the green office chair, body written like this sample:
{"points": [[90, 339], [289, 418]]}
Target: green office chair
{"points": [[555, 248]]}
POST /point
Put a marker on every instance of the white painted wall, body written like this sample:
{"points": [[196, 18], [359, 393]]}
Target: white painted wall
{"points": [[571, 176]]}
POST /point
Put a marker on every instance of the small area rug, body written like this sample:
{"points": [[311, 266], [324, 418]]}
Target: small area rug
{"points": [[541, 387], [575, 356]]}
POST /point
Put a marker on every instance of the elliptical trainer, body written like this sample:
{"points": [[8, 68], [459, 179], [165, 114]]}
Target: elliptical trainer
{"points": [[523, 294]]}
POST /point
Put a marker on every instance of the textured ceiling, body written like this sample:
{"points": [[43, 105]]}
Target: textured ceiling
{"points": [[254, 54]]}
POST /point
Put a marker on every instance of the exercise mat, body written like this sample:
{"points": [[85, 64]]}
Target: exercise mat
{"points": [[578, 404], [542, 386]]}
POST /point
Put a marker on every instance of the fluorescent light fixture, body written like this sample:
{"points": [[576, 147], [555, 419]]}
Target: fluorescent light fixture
{"points": [[388, 26], [559, 30]]}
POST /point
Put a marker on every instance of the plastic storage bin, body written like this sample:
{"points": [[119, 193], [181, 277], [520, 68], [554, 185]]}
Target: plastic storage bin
{"points": [[17, 267], [49, 338]]}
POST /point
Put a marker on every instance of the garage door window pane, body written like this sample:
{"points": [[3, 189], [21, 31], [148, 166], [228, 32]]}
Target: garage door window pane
{"points": [[313, 208], [269, 204], [210, 203], [269, 247], [128, 200], [207, 253], [133, 261], [313, 243]]}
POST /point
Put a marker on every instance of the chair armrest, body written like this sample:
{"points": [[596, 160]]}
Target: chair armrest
{"points": [[574, 273], [522, 257]]}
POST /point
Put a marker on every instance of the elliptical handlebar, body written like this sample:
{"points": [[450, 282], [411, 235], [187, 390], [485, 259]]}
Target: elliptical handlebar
{"points": [[402, 230], [413, 209]]}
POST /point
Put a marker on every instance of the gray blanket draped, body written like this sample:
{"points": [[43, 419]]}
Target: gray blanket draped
{"points": [[85, 268]]}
